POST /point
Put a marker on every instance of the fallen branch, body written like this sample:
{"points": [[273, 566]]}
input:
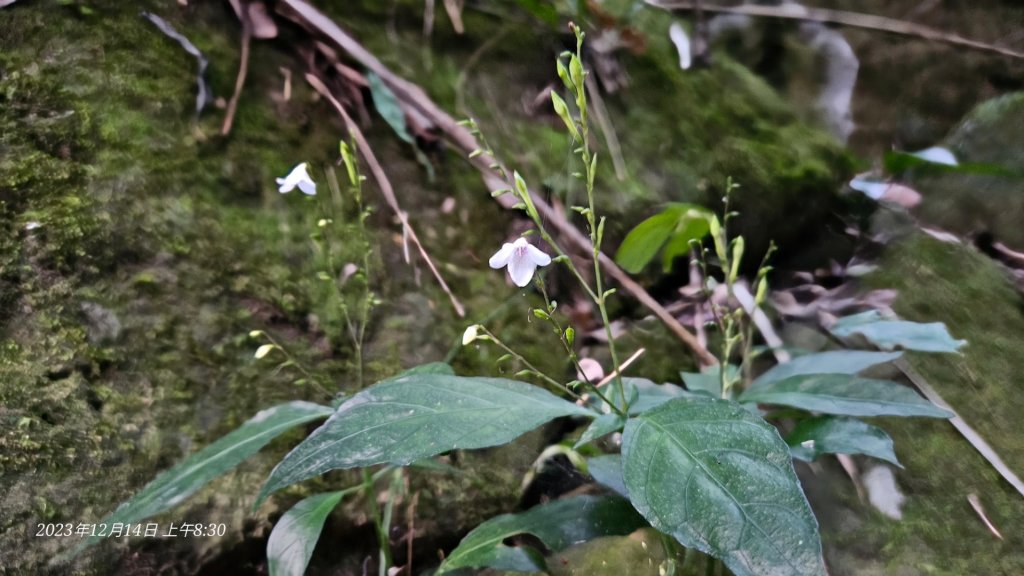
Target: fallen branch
{"points": [[385, 186], [490, 168], [243, 67], [842, 18], [622, 368]]}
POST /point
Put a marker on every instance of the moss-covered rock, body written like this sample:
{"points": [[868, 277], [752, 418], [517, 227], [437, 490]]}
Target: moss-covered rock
{"points": [[969, 203], [115, 198], [940, 533]]}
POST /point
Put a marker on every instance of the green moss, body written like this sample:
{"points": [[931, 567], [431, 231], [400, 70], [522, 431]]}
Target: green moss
{"points": [[178, 232], [940, 533], [957, 285]]}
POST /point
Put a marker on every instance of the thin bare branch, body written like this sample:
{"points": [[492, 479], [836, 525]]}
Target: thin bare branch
{"points": [[842, 18], [975, 503], [616, 373], [243, 69], [385, 186]]}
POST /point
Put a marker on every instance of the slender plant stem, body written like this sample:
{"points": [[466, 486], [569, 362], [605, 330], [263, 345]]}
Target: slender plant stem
{"points": [[378, 522], [573, 357], [298, 365], [555, 385]]}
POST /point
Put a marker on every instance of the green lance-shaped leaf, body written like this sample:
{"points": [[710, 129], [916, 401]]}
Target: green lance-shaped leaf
{"points": [[676, 225], [845, 395], [418, 415], [891, 334], [833, 362], [387, 105], [720, 479], [173, 486], [295, 535], [836, 435], [558, 525], [429, 368]]}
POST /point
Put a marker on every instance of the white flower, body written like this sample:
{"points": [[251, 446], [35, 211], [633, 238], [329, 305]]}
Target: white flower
{"points": [[522, 258], [470, 334], [297, 177], [682, 41]]}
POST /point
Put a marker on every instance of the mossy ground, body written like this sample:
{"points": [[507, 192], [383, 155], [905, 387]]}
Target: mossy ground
{"points": [[144, 210]]}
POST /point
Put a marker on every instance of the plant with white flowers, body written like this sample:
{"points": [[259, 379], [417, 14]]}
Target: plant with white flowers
{"points": [[700, 464]]}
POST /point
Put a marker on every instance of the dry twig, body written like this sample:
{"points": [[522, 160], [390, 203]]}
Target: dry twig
{"points": [[385, 186], [622, 368], [976, 504], [842, 18], [243, 67]]}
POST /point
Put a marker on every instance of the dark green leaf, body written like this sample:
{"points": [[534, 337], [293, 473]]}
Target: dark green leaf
{"points": [[678, 222], [558, 525], [644, 241], [175, 485], [602, 426], [891, 334], [721, 480], [834, 362], [845, 395], [387, 105], [429, 368], [679, 243], [294, 536], [898, 163], [415, 416], [836, 435], [607, 471]]}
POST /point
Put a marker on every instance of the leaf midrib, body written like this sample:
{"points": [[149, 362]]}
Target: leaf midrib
{"points": [[732, 497]]}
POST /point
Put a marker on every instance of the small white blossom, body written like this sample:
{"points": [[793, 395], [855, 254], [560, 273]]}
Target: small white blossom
{"points": [[470, 334], [297, 177], [522, 259], [263, 351], [682, 41]]}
